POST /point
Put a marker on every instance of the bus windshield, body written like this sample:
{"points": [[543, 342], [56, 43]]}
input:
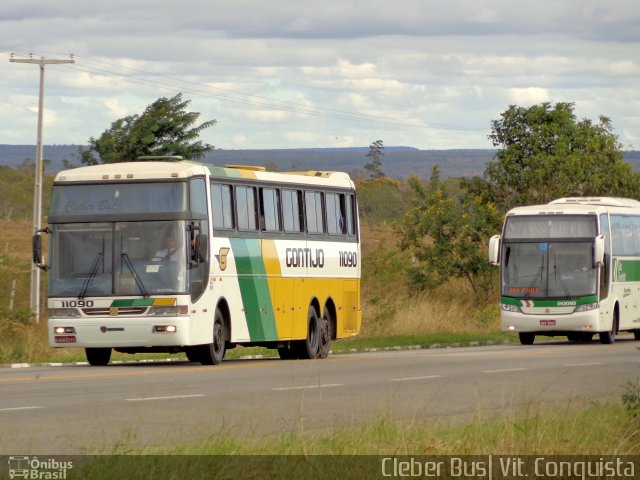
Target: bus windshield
{"points": [[118, 258], [544, 269]]}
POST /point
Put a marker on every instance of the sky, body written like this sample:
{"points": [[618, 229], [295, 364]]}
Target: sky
{"points": [[429, 74]]}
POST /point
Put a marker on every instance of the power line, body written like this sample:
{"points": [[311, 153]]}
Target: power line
{"points": [[144, 77]]}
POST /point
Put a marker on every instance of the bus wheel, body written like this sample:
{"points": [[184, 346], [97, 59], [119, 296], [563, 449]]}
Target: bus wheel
{"points": [[309, 348], [98, 357], [610, 336], [636, 334], [527, 338], [213, 353], [325, 334]]}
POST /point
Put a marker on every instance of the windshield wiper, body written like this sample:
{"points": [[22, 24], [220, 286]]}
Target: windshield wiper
{"points": [[134, 274], [92, 273], [559, 278], [535, 279]]}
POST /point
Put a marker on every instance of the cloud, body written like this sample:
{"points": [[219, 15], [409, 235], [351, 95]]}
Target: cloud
{"points": [[436, 72]]}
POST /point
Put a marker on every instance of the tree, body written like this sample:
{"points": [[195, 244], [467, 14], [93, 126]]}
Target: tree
{"points": [[447, 237], [374, 167], [164, 128], [545, 153]]}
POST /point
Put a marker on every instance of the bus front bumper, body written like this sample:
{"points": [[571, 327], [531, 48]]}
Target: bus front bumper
{"points": [[586, 322], [125, 332]]}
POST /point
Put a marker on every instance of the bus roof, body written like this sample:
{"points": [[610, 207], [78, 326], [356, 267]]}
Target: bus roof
{"points": [[175, 168], [605, 201], [579, 205]]}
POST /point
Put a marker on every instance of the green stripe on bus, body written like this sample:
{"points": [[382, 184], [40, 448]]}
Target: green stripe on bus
{"points": [[626, 269], [132, 302], [224, 172], [550, 303], [254, 288]]}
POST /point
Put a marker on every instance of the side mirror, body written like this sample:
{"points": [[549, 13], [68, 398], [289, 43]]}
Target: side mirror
{"points": [[494, 249], [36, 247], [598, 251]]}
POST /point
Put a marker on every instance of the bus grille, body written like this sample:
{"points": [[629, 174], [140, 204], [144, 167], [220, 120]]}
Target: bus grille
{"points": [[114, 311]]}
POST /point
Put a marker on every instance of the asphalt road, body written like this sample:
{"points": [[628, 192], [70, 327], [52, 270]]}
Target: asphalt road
{"points": [[83, 409]]}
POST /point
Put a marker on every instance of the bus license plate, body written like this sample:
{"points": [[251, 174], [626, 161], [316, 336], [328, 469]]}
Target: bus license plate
{"points": [[65, 339], [547, 323]]}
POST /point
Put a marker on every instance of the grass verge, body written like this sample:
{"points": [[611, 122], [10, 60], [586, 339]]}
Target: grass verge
{"points": [[356, 452]]}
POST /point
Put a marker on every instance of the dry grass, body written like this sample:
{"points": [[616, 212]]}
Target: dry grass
{"points": [[390, 308]]}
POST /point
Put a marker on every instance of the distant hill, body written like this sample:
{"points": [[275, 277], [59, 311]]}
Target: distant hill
{"points": [[397, 162]]}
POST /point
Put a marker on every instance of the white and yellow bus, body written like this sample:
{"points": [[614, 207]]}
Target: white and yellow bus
{"points": [[570, 268], [167, 255]]}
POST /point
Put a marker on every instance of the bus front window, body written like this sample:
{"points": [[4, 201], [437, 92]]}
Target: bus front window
{"points": [[119, 258], [548, 270]]}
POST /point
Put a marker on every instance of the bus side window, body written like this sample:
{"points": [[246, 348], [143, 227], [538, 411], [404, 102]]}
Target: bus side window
{"points": [[246, 208], [336, 224], [292, 211], [221, 207], [270, 209], [352, 215], [314, 212]]}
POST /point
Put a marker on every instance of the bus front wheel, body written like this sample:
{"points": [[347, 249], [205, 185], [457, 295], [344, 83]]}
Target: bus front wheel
{"points": [[610, 336], [527, 338], [98, 357], [213, 353]]}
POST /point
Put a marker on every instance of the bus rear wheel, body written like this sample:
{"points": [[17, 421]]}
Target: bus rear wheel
{"points": [[98, 357], [325, 334], [527, 338], [213, 353]]}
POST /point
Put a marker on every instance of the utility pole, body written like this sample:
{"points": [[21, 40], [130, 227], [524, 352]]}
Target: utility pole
{"points": [[34, 299]]}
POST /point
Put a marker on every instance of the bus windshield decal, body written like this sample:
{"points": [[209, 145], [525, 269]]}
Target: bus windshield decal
{"points": [[122, 198]]}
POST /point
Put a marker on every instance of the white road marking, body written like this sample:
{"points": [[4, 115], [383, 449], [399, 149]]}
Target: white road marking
{"points": [[505, 370], [280, 389], [142, 399], [18, 408], [406, 379], [592, 364]]}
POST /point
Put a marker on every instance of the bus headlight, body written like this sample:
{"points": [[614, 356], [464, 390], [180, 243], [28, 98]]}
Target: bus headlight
{"points": [[170, 311], [509, 308], [63, 313], [165, 329], [586, 307], [63, 330]]}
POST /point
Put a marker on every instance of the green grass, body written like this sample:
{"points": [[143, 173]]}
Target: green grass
{"points": [[356, 452]]}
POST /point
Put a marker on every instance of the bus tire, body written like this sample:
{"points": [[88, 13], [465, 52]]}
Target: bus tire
{"points": [[325, 334], [213, 353], [609, 337], [308, 348], [98, 357], [526, 338], [636, 334]]}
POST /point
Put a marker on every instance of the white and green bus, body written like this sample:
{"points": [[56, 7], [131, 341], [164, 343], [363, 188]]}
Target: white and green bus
{"points": [[168, 255], [570, 268]]}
